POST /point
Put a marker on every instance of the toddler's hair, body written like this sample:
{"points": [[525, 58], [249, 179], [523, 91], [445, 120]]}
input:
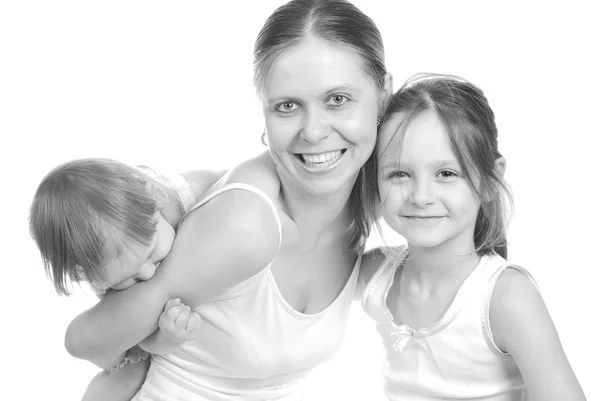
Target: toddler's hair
{"points": [[85, 211], [470, 122]]}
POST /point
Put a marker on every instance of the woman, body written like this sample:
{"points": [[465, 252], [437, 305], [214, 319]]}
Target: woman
{"points": [[270, 260]]}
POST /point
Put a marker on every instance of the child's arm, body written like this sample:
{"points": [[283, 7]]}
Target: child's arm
{"points": [[119, 385], [177, 324], [521, 326], [220, 244]]}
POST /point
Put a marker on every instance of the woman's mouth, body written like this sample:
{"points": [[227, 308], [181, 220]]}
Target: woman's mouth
{"points": [[317, 162]]}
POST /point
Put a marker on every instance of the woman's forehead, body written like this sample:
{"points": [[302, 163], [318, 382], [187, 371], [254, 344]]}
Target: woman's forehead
{"points": [[316, 65]]}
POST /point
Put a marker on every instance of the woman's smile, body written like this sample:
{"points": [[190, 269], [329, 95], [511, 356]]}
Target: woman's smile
{"points": [[320, 162]]}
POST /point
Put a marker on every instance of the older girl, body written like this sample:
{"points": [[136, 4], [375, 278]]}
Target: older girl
{"points": [[457, 320]]}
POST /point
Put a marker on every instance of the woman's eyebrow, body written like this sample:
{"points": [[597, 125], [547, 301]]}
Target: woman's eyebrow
{"points": [[279, 99], [342, 88]]}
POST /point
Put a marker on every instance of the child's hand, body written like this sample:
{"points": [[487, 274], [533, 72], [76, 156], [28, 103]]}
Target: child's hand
{"points": [[178, 321]]}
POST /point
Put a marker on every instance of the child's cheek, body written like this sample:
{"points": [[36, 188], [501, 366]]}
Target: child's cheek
{"points": [[171, 214]]}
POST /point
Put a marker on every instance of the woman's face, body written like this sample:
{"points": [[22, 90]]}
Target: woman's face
{"points": [[320, 110]]}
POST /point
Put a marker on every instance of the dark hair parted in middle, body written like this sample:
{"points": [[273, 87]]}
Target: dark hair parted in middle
{"points": [[337, 22]]}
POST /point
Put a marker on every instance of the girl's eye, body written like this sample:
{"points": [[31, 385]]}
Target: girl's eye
{"points": [[447, 174], [286, 107], [397, 175], [337, 100]]}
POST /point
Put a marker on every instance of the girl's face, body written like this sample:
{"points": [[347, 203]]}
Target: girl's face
{"points": [[320, 110], [425, 195], [138, 262]]}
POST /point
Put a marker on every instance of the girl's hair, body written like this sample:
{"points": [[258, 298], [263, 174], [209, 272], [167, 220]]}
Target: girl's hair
{"points": [[469, 120], [337, 22], [85, 210]]}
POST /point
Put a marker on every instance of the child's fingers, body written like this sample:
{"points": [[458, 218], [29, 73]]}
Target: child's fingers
{"points": [[168, 318], [182, 319], [171, 303], [192, 327]]}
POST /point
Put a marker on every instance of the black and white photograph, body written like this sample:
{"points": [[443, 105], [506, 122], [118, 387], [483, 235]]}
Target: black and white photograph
{"points": [[300, 200]]}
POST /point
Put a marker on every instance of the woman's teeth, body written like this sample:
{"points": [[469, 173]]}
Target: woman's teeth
{"points": [[321, 161], [322, 158]]}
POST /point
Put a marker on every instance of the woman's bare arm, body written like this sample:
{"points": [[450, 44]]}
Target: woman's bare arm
{"points": [[222, 243]]}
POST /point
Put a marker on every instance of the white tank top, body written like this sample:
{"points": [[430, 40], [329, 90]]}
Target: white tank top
{"points": [[252, 344], [454, 358]]}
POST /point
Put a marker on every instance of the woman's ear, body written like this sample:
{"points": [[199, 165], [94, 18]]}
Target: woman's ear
{"points": [[388, 91]]}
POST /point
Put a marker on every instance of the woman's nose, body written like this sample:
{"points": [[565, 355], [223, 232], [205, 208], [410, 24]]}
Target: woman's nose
{"points": [[315, 126]]}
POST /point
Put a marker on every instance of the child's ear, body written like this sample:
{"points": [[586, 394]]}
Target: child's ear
{"points": [[150, 190], [500, 168]]}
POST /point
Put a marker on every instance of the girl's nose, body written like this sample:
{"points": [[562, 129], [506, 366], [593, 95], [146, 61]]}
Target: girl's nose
{"points": [[421, 194]]}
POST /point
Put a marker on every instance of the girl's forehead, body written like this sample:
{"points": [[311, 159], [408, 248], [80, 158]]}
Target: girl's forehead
{"points": [[420, 139], [316, 65]]}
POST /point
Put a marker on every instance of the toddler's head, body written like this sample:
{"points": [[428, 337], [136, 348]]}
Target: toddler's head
{"points": [[464, 114], [98, 220]]}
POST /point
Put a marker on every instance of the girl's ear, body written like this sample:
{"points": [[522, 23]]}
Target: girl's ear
{"points": [[500, 168]]}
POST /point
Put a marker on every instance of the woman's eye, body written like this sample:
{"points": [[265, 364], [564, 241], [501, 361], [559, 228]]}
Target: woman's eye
{"points": [[337, 100], [286, 107]]}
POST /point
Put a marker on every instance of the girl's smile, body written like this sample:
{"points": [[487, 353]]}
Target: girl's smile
{"points": [[426, 197]]}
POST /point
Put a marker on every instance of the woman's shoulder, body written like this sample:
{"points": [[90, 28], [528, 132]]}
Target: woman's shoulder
{"points": [[241, 215], [258, 172]]}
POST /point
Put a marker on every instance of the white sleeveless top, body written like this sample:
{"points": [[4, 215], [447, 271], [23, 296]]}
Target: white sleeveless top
{"points": [[454, 358], [252, 344]]}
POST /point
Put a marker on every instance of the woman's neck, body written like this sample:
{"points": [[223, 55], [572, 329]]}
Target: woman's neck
{"points": [[316, 216]]}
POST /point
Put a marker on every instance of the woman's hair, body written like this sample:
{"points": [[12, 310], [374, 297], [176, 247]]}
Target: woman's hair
{"points": [[337, 22], [85, 210], [470, 123]]}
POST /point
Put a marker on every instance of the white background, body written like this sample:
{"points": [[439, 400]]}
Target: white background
{"points": [[169, 83]]}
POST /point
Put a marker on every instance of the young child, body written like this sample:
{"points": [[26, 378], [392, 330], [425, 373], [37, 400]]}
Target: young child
{"points": [[457, 320], [109, 224]]}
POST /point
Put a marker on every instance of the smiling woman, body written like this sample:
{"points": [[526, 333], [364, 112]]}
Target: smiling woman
{"points": [[319, 107], [270, 257]]}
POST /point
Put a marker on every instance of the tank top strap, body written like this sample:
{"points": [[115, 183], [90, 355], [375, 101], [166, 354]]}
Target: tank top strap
{"points": [[494, 274], [244, 187], [375, 293]]}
